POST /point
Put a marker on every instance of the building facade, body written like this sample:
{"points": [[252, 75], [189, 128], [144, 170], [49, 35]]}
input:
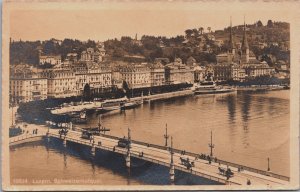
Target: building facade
{"points": [[93, 55], [199, 73], [136, 76], [94, 75], [157, 74], [50, 59], [61, 81], [177, 72], [239, 63], [27, 85]]}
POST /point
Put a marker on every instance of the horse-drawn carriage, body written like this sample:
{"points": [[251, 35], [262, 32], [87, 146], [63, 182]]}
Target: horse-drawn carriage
{"points": [[87, 134], [226, 172], [187, 163], [63, 132]]}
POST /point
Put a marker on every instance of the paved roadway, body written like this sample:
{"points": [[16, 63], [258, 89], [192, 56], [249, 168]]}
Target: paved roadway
{"points": [[202, 167], [163, 157]]}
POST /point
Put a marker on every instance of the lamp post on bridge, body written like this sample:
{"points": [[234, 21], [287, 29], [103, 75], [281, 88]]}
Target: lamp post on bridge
{"points": [[269, 164], [166, 136], [128, 149], [211, 145], [172, 167]]}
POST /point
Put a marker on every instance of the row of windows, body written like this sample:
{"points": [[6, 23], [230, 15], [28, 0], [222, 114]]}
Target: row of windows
{"points": [[62, 83]]}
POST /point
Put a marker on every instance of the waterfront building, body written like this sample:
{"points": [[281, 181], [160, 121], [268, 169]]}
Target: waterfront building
{"points": [[26, 84], [116, 77], [176, 73], [199, 73], [222, 72], [136, 75], [157, 74], [50, 59], [61, 81], [237, 73], [209, 71], [258, 69], [93, 76]]}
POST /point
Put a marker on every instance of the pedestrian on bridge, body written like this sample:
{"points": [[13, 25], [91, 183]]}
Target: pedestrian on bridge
{"points": [[248, 182]]}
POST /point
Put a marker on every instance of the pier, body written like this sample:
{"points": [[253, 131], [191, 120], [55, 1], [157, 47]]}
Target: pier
{"points": [[167, 156], [160, 96]]}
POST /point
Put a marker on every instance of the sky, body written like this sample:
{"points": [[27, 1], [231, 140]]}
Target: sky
{"points": [[107, 20]]}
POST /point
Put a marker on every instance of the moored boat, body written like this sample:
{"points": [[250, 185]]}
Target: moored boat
{"points": [[75, 107], [209, 87], [112, 104], [130, 105]]}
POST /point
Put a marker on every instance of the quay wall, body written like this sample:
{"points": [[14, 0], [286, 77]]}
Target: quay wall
{"points": [[164, 95]]}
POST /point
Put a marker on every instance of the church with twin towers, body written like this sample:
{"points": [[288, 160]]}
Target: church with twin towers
{"points": [[239, 62]]}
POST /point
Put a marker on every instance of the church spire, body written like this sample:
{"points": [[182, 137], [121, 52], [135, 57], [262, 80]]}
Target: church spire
{"points": [[231, 44], [245, 42], [245, 46]]}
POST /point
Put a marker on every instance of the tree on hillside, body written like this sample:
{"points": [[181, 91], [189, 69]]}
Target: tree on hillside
{"points": [[50, 48], [196, 33], [270, 23], [201, 29], [188, 33], [209, 29], [259, 24]]}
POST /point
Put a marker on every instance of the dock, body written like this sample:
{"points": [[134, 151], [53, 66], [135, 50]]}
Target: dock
{"points": [[161, 96]]}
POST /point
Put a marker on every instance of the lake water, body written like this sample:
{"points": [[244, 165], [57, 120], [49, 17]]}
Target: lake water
{"points": [[247, 127]]}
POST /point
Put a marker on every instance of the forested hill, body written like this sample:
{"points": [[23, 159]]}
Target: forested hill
{"points": [[199, 43]]}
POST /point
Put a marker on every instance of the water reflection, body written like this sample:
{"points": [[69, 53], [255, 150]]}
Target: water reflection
{"points": [[65, 159], [231, 108], [190, 120], [246, 104]]}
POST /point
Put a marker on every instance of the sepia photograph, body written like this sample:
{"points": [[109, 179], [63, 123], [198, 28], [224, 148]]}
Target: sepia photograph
{"points": [[150, 95]]}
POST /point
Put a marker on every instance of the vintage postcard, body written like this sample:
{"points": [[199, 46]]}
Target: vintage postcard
{"points": [[150, 95]]}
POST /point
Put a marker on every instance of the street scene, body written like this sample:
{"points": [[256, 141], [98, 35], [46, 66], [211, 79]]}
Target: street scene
{"points": [[131, 103]]}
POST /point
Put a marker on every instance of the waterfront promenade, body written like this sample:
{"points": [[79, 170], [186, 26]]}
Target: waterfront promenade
{"points": [[158, 155]]}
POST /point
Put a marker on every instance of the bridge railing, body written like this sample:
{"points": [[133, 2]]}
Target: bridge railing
{"points": [[24, 137], [262, 172], [147, 158]]}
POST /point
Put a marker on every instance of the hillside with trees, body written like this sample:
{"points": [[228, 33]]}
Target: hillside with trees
{"points": [[199, 43]]}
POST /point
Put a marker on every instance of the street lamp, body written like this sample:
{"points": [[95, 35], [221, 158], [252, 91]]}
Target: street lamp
{"points": [[211, 145], [166, 136]]}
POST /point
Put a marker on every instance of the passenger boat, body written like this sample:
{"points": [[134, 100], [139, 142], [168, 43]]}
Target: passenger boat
{"points": [[75, 107], [209, 87], [112, 104], [130, 105]]}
